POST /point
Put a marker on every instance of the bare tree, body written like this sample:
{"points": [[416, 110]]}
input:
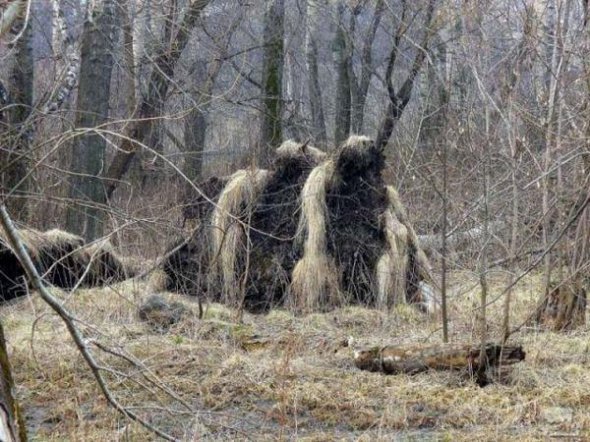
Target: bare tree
{"points": [[399, 99], [360, 84], [202, 80], [160, 78]]}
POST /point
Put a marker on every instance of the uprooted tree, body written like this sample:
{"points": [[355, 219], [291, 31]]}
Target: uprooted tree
{"points": [[315, 231], [64, 261]]}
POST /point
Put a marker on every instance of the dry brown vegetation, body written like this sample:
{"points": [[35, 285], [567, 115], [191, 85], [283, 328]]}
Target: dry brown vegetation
{"points": [[278, 377]]}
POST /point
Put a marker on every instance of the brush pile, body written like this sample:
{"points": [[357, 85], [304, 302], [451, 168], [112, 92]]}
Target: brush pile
{"points": [[63, 260], [313, 232]]}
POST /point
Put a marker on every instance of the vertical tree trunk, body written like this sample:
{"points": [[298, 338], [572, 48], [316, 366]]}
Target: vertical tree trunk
{"points": [[85, 216], [129, 56], [318, 122], [65, 53], [159, 82], [398, 100], [553, 110], [14, 156], [360, 88], [341, 54], [271, 130], [150, 176], [564, 307], [195, 131], [12, 427], [203, 81], [437, 99]]}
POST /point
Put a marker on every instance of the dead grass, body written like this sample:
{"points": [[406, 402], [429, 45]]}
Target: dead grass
{"points": [[235, 202], [392, 266], [314, 282], [280, 377]]}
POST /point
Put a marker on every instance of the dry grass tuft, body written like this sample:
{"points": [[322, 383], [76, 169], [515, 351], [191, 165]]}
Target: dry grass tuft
{"points": [[392, 266], [357, 143], [292, 149]]}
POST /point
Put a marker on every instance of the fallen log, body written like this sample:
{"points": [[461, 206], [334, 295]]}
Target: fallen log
{"points": [[412, 359], [457, 238]]}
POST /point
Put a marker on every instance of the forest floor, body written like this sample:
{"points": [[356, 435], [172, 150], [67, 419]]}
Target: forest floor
{"points": [[280, 377]]}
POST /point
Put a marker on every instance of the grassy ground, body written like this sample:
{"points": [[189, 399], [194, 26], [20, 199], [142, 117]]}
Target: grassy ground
{"points": [[277, 377]]}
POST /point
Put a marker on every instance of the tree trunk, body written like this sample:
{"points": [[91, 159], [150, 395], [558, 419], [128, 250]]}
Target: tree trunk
{"points": [[203, 76], [554, 105], [398, 100], [12, 426], [195, 130], [318, 122], [271, 130], [152, 174], [163, 71], [360, 88], [65, 52], [85, 216], [341, 53], [16, 156]]}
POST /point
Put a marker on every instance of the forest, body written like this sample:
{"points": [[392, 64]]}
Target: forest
{"points": [[294, 219]]}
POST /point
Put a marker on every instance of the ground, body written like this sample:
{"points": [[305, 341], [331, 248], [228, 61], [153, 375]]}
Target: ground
{"points": [[280, 377]]}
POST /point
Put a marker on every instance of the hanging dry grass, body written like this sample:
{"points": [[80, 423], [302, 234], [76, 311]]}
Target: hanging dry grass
{"points": [[315, 277], [268, 201], [419, 280], [350, 243], [53, 253], [102, 264], [400, 212], [292, 150], [64, 261], [227, 234], [392, 266], [37, 242]]}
